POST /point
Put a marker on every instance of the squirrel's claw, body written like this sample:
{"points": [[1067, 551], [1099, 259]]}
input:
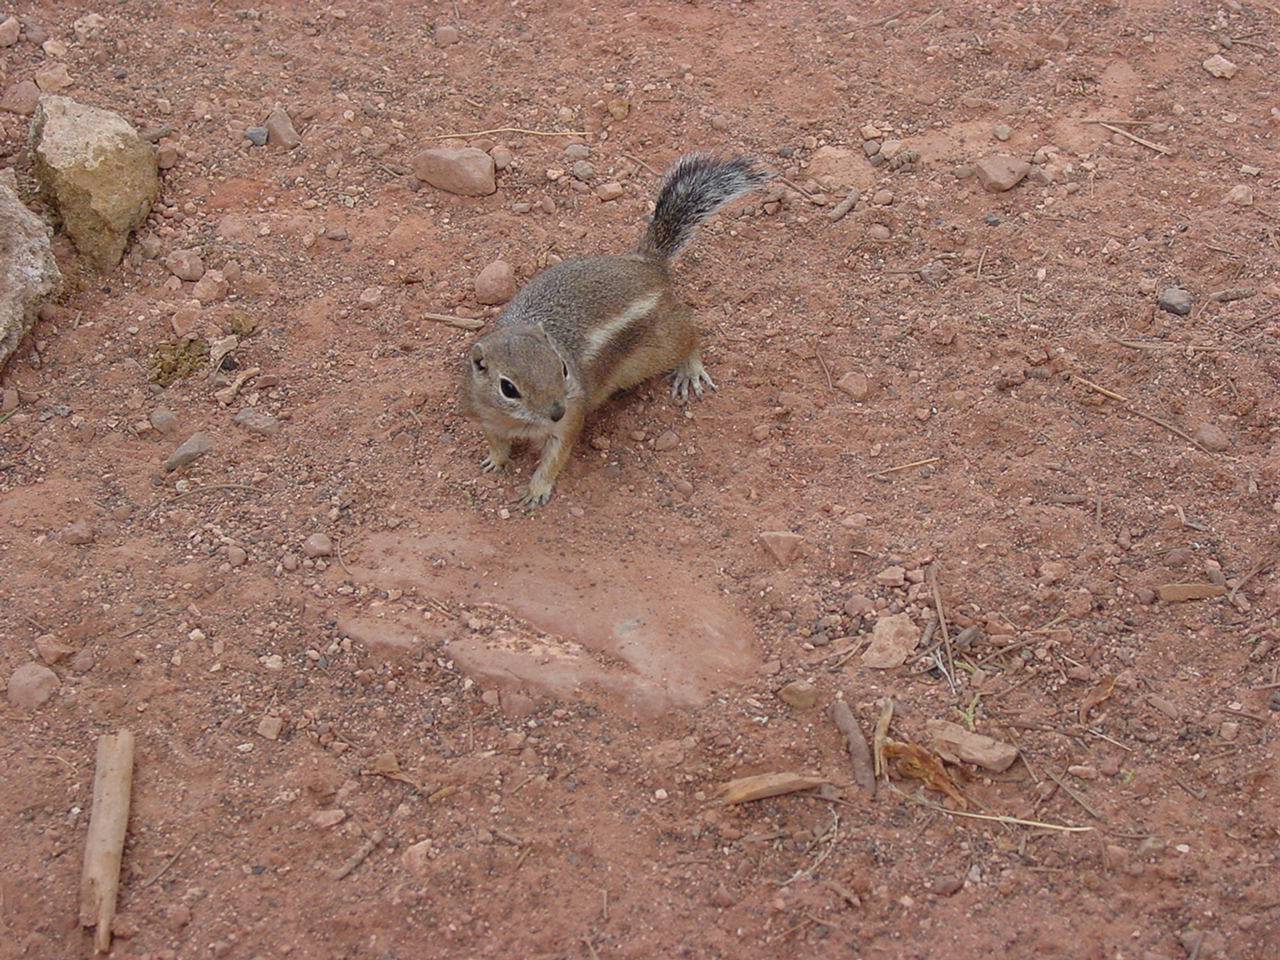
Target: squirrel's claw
{"points": [[690, 375], [536, 495]]}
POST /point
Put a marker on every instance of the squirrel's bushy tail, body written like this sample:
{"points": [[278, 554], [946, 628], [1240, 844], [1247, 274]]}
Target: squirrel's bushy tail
{"points": [[695, 188]]}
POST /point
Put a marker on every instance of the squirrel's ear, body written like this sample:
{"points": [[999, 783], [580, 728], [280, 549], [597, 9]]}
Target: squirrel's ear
{"points": [[477, 357]]}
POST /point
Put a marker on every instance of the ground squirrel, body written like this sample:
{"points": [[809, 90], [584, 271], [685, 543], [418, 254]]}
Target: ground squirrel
{"points": [[588, 327]]}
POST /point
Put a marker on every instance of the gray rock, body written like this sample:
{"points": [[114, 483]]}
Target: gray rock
{"points": [[31, 685], [165, 421], [257, 421], [28, 272], [584, 170], [257, 136], [100, 176], [1175, 300], [193, 449]]}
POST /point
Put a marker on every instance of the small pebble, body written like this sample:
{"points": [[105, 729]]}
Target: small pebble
{"points": [[1212, 437], [1175, 300], [280, 129], [1219, 66], [195, 447], [666, 441], [31, 686], [1001, 132], [609, 191], [1239, 196], [318, 545], [799, 694], [258, 421], [496, 283], [78, 534], [257, 136]]}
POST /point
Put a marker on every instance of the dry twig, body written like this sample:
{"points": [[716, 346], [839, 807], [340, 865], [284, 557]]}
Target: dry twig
{"points": [[528, 133], [864, 773], [104, 846], [462, 323], [905, 466]]}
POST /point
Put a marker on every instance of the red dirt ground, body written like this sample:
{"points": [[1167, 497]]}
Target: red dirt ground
{"points": [[564, 692]]}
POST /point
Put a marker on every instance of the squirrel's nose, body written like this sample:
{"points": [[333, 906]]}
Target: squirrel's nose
{"points": [[556, 412]]}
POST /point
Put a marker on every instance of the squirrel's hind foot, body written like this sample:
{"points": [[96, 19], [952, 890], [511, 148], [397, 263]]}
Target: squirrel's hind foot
{"points": [[690, 377]]}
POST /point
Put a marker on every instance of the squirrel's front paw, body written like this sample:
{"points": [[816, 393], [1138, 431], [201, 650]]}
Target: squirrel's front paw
{"points": [[538, 493], [491, 463]]}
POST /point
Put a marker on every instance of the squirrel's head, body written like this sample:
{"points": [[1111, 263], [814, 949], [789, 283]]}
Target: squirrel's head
{"points": [[518, 373]]}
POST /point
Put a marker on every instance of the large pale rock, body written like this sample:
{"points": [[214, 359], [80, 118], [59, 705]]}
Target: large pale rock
{"points": [[31, 685], [467, 172], [841, 168], [28, 272], [99, 175], [892, 640], [954, 743], [1001, 172]]}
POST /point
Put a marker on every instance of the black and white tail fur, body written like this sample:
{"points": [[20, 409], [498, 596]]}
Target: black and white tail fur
{"points": [[695, 188]]}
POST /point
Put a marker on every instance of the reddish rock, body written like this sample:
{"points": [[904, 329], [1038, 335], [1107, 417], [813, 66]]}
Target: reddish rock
{"points": [[781, 544], [467, 172], [1001, 172], [20, 98], [496, 283], [31, 685], [280, 129]]}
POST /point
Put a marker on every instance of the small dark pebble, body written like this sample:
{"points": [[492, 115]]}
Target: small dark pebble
{"points": [[1275, 701], [257, 136], [786, 151], [991, 220]]}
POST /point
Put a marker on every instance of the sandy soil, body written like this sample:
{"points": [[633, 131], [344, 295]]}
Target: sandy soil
{"points": [[537, 711]]}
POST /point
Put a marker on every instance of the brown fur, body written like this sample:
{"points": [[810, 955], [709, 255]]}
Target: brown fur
{"points": [[586, 328]]}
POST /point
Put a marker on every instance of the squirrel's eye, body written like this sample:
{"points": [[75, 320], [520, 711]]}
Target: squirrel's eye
{"points": [[509, 389], [565, 367]]}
